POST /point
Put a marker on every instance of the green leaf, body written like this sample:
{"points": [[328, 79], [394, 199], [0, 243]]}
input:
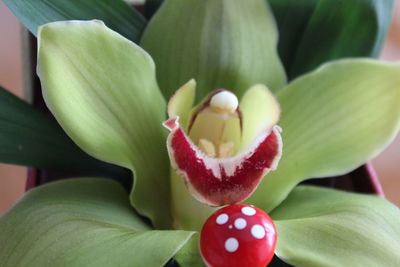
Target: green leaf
{"points": [[151, 6], [102, 90], [116, 14], [29, 137], [325, 227], [317, 31], [82, 222], [221, 44], [334, 120]]}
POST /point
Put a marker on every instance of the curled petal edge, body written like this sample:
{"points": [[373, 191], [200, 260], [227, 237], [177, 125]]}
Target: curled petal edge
{"points": [[223, 181]]}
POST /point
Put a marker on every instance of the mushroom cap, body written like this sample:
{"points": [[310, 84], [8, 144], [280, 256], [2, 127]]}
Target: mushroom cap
{"points": [[238, 235]]}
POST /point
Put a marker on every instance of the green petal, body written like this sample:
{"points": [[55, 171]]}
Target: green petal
{"points": [[29, 137], [312, 32], [325, 227], [82, 222], [116, 14], [181, 103], [227, 44], [333, 119], [260, 111], [102, 90]]}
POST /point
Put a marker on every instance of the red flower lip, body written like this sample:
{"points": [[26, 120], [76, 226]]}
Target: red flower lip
{"points": [[223, 181]]}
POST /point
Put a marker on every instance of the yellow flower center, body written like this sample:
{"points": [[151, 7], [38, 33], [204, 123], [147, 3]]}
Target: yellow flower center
{"points": [[216, 129]]}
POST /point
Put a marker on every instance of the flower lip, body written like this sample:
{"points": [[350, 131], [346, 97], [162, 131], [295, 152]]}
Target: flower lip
{"points": [[222, 181], [221, 157]]}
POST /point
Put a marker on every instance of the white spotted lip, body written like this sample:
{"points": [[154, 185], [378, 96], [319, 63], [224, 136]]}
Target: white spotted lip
{"points": [[238, 235]]}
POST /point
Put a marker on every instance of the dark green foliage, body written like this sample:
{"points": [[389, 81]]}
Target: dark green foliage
{"points": [[31, 138], [315, 31], [116, 14]]}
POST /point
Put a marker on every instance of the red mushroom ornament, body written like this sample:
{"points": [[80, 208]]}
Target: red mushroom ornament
{"points": [[238, 235]]}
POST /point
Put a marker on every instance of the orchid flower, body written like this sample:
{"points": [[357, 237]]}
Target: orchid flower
{"points": [[236, 147], [231, 119]]}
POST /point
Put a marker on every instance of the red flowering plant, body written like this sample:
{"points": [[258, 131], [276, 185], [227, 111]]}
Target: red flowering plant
{"points": [[200, 111]]}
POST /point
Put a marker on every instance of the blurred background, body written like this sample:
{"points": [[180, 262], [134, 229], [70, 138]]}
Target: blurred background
{"points": [[13, 178]]}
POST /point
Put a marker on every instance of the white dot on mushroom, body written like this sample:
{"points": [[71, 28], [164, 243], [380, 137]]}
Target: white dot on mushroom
{"points": [[231, 244], [240, 223], [222, 218], [257, 231], [248, 211]]}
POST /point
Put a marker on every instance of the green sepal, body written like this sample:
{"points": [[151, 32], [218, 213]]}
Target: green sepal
{"points": [[82, 222], [102, 90], [189, 255], [334, 119], [324, 227], [183, 204], [227, 44]]}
